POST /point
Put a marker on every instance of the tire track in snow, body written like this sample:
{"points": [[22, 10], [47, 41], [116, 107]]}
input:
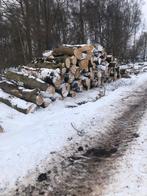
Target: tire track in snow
{"points": [[82, 175]]}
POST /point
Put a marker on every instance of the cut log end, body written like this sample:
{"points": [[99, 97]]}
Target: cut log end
{"points": [[39, 100], [84, 64], [67, 62], [31, 109]]}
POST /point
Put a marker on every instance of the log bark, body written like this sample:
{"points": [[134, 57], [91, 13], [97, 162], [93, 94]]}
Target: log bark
{"points": [[27, 82], [63, 51], [50, 76], [26, 94], [16, 103], [48, 65]]}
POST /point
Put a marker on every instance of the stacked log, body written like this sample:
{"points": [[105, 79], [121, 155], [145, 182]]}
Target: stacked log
{"points": [[26, 81], [26, 94], [16, 103], [62, 72]]}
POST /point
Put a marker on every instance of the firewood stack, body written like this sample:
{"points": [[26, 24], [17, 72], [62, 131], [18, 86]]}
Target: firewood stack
{"points": [[64, 71]]}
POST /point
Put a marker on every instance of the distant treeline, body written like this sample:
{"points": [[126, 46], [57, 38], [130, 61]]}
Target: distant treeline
{"points": [[28, 27]]}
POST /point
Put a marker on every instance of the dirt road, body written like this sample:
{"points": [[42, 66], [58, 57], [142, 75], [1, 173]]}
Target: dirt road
{"points": [[85, 173]]}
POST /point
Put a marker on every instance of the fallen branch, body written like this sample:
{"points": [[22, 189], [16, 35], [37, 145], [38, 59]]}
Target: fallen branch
{"points": [[79, 132]]}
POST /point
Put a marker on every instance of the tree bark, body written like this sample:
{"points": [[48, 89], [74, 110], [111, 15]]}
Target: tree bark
{"points": [[27, 82], [16, 103], [26, 94], [47, 65]]}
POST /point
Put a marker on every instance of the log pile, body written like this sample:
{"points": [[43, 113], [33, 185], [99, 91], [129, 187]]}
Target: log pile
{"points": [[62, 72], [128, 69]]}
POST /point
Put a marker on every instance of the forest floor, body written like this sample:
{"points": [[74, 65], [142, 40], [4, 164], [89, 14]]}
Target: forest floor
{"points": [[79, 147]]}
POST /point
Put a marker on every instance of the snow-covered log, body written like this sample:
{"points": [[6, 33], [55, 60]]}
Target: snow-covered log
{"points": [[27, 81], [61, 51], [50, 76], [16, 103], [20, 92]]}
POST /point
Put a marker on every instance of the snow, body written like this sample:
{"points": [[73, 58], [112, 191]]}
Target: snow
{"points": [[8, 82], [47, 53], [29, 76], [131, 177], [26, 90], [44, 72], [29, 139], [78, 45], [37, 79], [125, 66]]}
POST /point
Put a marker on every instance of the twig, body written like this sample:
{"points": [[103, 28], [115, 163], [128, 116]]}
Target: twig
{"points": [[79, 132]]}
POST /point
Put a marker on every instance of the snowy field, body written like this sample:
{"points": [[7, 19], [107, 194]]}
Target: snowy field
{"points": [[29, 139]]}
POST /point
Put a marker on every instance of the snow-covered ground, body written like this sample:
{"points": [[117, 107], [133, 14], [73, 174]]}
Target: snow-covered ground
{"points": [[130, 178], [29, 139]]}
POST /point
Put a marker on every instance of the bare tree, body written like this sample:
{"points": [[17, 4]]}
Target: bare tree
{"points": [[30, 26]]}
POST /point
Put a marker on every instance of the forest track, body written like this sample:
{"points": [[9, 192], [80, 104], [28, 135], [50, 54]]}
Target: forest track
{"points": [[82, 175]]}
